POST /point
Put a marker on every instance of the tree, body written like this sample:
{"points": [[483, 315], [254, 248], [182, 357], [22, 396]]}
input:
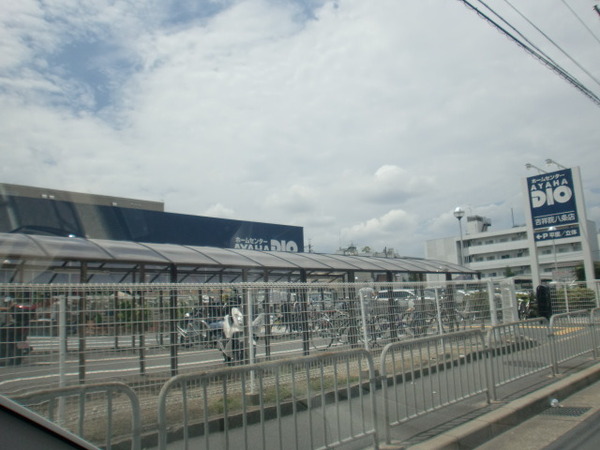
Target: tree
{"points": [[580, 272], [351, 250]]}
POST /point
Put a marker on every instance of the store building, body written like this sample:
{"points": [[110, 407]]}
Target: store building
{"points": [[51, 212]]}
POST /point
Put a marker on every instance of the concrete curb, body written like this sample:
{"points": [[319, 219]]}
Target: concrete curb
{"points": [[490, 425]]}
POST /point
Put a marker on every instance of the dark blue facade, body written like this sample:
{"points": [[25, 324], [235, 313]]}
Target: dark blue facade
{"points": [[64, 218]]}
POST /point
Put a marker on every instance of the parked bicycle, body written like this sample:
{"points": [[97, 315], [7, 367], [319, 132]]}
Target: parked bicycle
{"points": [[327, 328]]}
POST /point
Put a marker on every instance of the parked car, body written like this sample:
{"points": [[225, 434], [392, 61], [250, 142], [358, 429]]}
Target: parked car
{"points": [[403, 298]]}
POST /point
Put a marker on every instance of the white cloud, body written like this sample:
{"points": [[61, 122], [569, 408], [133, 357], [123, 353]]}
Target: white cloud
{"points": [[219, 210], [296, 199], [394, 227], [352, 119]]}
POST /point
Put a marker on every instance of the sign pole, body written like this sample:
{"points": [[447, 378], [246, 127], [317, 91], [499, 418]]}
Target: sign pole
{"points": [[535, 264], [588, 260]]}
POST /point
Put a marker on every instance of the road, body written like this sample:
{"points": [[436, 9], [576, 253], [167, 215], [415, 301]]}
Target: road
{"points": [[104, 359]]}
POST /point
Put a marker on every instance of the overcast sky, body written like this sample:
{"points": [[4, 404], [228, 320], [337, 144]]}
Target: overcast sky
{"points": [[363, 121]]}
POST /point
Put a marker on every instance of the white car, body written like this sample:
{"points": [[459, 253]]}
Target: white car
{"points": [[404, 298]]}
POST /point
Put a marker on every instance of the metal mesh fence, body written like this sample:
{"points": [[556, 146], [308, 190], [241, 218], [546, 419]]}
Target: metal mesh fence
{"points": [[55, 336], [142, 334], [568, 297]]}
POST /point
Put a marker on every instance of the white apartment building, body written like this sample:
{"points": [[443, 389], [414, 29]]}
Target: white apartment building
{"points": [[496, 254]]}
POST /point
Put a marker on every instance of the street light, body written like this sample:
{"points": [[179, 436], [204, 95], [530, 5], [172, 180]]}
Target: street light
{"points": [[551, 161], [459, 213], [531, 166]]}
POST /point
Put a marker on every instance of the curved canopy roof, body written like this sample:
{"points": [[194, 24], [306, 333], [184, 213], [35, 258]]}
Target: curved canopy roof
{"points": [[39, 248]]}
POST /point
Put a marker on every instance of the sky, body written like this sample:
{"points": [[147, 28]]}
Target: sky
{"points": [[364, 122]]}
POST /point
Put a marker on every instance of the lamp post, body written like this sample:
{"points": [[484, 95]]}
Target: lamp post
{"points": [[459, 213], [551, 161], [531, 166]]}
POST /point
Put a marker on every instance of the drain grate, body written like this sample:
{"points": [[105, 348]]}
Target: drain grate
{"points": [[573, 411]]}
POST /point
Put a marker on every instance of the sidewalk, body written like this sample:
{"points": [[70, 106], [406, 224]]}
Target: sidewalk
{"points": [[529, 422]]}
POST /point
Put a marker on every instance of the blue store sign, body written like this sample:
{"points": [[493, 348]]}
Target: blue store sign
{"points": [[552, 200]]}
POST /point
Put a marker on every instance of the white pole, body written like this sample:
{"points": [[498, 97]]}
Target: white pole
{"points": [[588, 259], [250, 340], [62, 353], [439, 312], [364, 319], [492, 300], [533, 256]]}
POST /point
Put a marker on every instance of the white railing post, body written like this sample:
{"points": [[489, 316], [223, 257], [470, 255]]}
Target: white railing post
{"points": [[514, 304], [438, 309], [62, 353], [364, 318], [492, 302]]}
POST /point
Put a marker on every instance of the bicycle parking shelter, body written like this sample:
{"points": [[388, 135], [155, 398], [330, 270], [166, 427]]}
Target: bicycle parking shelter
{"points": [[51, 259]]}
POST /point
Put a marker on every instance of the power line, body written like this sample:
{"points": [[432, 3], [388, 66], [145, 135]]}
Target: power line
{"points": [[581, 21], [552, 41], [541, 54], [540, 51], [536, 54]]}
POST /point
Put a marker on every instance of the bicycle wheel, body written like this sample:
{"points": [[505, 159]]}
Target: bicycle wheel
{"points": [[452, 321], [322, 334], [418, 323], [389, 327], [162, 338], [341, 328], [375, 331], [404, 325]]}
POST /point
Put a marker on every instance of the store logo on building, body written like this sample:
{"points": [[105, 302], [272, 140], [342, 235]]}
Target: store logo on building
{"points": [[552, 199], [276, 245]]}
